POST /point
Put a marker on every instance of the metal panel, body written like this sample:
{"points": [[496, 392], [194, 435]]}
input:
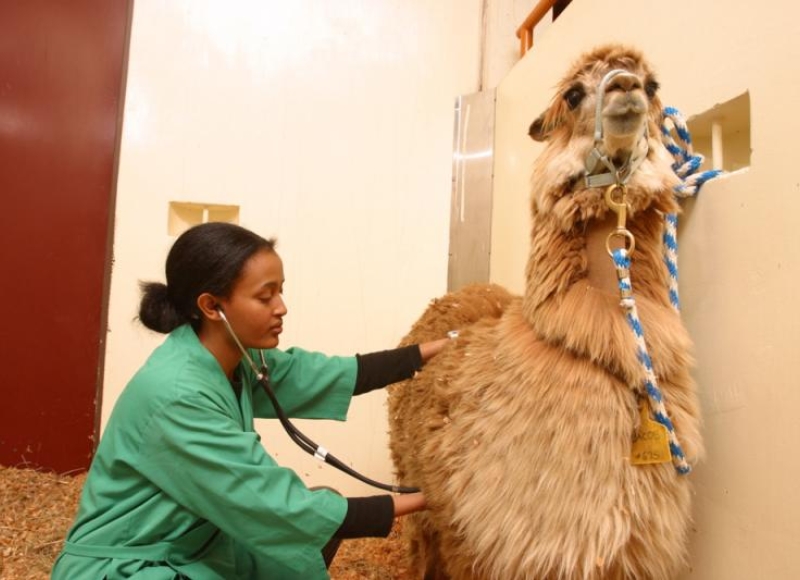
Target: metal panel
{"points": [[471, 201]]}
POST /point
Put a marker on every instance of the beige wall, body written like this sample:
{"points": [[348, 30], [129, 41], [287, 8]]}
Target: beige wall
{"points": [[738, 257], [500, 43], [331, 126], [332, 129]]}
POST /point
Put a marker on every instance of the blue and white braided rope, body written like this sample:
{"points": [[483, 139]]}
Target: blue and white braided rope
{"points": [[686, 165], [622, 262]]}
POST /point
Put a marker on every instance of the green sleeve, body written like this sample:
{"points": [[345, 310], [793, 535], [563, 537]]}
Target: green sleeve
{"points": [[198, 454], [309, 385]]}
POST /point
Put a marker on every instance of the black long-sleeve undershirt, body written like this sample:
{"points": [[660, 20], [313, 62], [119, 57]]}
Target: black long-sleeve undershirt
{"points": [[373, 516], [378, 369]]}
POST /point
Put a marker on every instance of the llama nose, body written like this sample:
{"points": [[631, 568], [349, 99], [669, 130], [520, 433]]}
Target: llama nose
{"points": [[625, 82]]}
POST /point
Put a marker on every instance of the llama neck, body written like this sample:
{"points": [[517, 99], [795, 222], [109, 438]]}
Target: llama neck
{"points": [[584, 261], [572, 302], [601, 274]]}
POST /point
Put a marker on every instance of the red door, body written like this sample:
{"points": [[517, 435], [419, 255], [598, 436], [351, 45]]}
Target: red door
{"points": [[62, 77]]}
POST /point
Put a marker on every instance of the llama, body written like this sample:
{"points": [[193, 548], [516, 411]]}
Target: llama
{"points": [[520, 432]]}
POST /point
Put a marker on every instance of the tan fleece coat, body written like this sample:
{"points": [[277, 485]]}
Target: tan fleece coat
{"points": [[520, 431]]}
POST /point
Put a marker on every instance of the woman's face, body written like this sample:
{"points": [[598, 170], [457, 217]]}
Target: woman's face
{"points": [[255, 308]]}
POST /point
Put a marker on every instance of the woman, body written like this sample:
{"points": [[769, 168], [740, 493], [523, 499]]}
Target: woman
{"points": [[180, 485]]}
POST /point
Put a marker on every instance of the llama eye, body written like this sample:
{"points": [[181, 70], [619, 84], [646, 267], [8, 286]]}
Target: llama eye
{"points": [[574, 96], [650, 88]]}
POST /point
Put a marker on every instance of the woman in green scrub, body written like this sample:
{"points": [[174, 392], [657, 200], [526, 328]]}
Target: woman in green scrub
{"points": [[180, 485]]}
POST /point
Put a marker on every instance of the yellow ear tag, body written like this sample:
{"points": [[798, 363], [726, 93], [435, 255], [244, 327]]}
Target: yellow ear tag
{"points": [[651, 442]]}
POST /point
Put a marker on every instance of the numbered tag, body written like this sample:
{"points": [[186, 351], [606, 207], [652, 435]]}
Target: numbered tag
{"points": [[651, 442]]}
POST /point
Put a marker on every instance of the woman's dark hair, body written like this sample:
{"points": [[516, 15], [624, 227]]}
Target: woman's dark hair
{"points": [[205, 258]]}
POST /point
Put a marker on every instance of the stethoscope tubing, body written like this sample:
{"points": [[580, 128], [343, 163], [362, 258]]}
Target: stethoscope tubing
{"points": [[302, 440]]}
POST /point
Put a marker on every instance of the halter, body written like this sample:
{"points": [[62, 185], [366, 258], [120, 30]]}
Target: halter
{"points": [[597, 155]]}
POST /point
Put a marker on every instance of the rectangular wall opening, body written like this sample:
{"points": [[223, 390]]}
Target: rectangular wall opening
{"points": [[722, 134], [183, 215]]}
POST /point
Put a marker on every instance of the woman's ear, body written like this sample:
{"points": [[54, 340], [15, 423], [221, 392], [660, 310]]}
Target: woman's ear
{"points": [[209, 306]]}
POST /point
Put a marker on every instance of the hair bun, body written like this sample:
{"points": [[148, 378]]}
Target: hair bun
{"points": [[156, 310]]}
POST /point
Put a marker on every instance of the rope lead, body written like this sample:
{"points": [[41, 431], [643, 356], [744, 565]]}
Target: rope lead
{"points": [[685, 167], [622, 262]]}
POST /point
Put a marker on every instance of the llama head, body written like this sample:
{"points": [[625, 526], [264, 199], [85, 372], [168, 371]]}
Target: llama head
{"points": [[602, 125]]}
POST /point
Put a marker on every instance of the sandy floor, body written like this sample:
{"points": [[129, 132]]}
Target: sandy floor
{"points": [[36, 509]]}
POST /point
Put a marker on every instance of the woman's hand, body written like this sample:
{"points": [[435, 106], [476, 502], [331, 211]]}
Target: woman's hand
{"points": [[409, 503], [428, 350]]}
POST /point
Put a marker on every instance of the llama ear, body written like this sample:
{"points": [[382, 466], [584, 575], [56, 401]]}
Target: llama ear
{"points": [[537, 129]]}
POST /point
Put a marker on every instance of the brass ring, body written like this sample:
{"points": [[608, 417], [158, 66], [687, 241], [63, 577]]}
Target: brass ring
{"points": [[622, 233]]}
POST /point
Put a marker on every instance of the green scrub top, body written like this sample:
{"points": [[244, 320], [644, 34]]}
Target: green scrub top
{"points": [[180, 485]]}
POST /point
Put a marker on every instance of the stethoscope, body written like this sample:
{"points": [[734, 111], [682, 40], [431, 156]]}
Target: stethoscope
{"points": [[302, 440]]}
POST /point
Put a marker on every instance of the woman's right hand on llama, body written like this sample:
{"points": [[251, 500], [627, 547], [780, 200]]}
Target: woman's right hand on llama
{"points": [[428, 350], [409, 503]]}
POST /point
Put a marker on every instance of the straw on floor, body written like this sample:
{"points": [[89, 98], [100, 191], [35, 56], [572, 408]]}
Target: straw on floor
{"points": [[36, 510]]}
